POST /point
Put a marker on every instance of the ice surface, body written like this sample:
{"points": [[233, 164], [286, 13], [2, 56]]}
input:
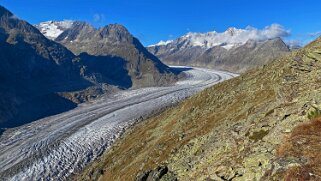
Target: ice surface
{"points": [[54, 147]]}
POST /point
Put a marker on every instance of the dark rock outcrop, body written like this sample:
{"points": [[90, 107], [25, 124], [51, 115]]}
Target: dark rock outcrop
{"points": [[159, 173]]}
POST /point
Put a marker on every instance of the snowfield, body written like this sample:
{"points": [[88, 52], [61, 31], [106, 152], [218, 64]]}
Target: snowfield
{"points": [[54, 147]]}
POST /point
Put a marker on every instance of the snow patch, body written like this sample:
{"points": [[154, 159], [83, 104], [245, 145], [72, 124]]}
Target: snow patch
{"points": [[52, 29]]}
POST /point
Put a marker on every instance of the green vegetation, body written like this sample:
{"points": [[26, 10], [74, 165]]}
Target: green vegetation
{"points": [[314, 114], [259, 135]]}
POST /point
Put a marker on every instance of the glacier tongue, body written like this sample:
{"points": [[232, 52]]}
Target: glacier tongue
{"points": [[55, 147]]}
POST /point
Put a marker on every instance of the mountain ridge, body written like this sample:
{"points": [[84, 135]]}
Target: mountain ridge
{"points": [[217, 49], [237, 58], [115, 40]]}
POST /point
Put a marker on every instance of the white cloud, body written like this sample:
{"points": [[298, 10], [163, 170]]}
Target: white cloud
{"points": [[99, 18], [269, 32]]}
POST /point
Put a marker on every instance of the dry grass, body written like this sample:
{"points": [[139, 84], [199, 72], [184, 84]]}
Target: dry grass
{"points": [[304, 143]]}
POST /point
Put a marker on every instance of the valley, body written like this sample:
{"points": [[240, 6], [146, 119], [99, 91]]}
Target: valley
{"points": [[56, 146], [232, 91]]}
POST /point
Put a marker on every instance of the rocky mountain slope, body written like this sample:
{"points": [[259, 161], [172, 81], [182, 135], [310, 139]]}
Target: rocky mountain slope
{"points": [[115, 40], [239, 59], [32, 69], [40, 77], [234, 50], [262, 125]]}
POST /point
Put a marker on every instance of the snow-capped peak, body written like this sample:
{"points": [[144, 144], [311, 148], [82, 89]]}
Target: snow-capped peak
{"points": [[233, 31], [228, 39], [52, 29]]}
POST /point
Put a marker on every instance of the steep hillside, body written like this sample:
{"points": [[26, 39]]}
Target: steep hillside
{"points": [[253, 127], [115, 41], [32, 69]]}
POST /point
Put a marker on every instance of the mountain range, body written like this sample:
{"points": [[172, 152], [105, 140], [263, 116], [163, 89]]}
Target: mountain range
{"points": [[235, 50], [41, 77]]}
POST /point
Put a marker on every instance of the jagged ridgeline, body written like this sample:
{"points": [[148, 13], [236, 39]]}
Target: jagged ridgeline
{"points": [[40, 77], [112, 40], [235, 50], [253, 127]]}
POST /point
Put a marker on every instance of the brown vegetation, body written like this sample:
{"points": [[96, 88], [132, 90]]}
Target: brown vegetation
{"points": [[303, 144]]}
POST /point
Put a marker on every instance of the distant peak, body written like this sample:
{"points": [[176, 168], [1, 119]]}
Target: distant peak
{"points": [[116, 27], [117, 31], [232, 31], [277, 39]]}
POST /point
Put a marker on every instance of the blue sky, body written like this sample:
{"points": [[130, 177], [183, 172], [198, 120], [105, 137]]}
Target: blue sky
{"points": [[155, 20]]}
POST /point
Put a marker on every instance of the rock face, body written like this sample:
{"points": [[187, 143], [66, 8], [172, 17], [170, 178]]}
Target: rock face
{"points": [[32, 69], [235, 56], [115, 41], [262, 125]]}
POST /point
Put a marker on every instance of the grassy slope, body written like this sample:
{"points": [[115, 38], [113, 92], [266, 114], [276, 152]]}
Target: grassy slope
{"points": [[232, 130]]}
